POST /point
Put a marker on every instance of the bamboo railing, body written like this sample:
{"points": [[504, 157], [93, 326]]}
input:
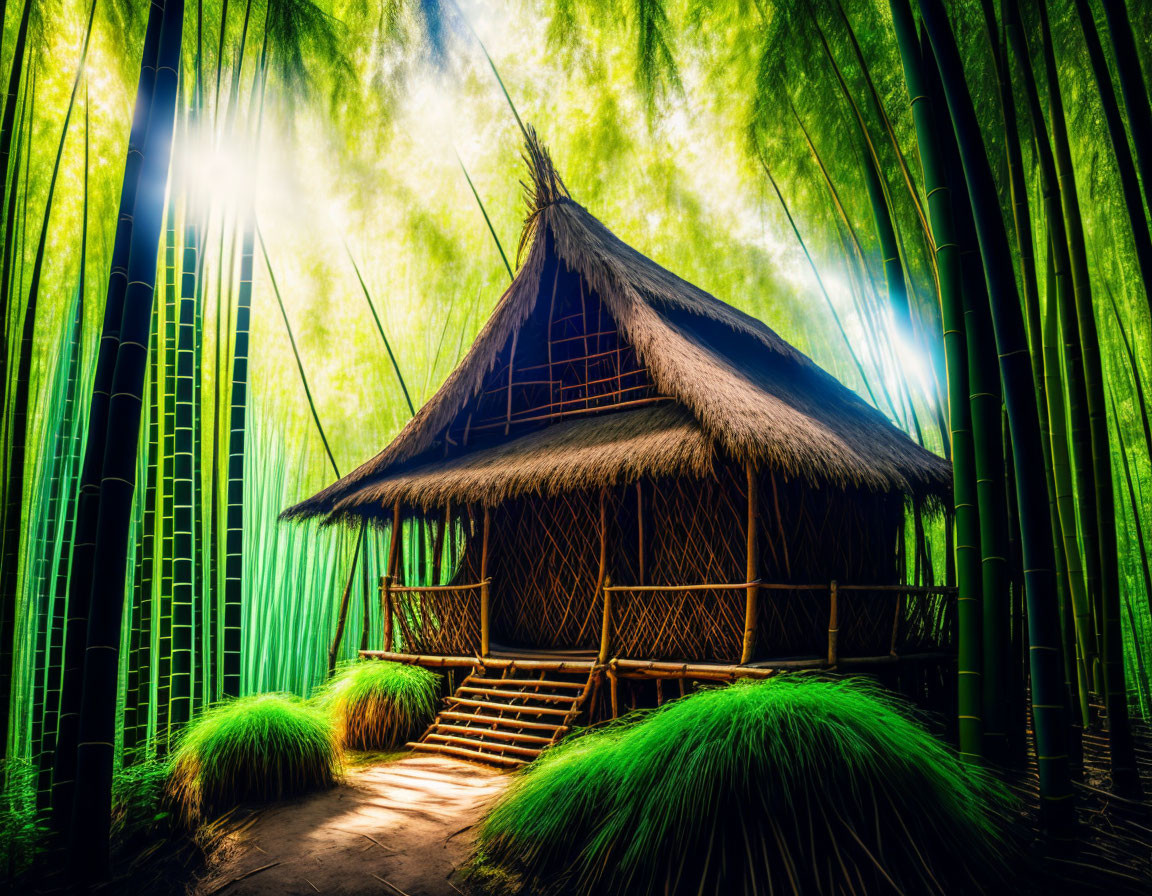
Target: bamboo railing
{"points": [[717, 628], [436, 619], [454, 619]]}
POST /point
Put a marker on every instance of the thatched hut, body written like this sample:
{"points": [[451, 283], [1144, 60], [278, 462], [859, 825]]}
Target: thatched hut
{"points": [[639, 471]]}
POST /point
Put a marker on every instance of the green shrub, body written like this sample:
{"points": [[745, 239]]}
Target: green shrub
{"points": [[23, 830], [378, 705], [253, 749], [794, 784]]}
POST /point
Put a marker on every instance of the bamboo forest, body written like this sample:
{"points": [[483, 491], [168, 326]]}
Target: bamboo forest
{"points": [[548, 447]]}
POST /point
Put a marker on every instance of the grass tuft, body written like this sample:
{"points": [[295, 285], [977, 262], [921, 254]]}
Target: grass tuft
{"points": [[253, 749], [379, 705], [794, 784]]}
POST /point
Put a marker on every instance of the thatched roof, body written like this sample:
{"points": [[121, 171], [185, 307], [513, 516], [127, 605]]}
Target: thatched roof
{"points": [[661, 440], [748, 393]]}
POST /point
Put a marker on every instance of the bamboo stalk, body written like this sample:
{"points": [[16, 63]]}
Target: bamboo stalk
{"points": [[751, 601], [640, 529], [484, 596], [833, 624], [602, 584], [385, 610]]}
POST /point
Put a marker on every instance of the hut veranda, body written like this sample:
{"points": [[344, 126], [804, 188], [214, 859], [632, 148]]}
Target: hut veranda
{"points": [[626, 478]]}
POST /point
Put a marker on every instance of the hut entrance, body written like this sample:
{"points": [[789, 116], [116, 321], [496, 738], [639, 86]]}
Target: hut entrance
{"points": [[545, 565]]}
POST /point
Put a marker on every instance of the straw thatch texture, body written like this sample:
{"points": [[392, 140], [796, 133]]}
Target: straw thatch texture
{"points": [[660, 440], [753, 396]]}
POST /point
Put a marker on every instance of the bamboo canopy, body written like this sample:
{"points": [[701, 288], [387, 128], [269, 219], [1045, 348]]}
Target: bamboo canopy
{"points": [[598, 368]]}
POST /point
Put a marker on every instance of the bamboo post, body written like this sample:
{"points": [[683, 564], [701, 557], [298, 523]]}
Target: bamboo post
{"points": [[601, 583], [606, 629], [752, 600], [640, 528], [438, 543], [484, 630], [394, 544], [390, 577], [896, 621], [833, 624], [614, 692], [386, 609]]}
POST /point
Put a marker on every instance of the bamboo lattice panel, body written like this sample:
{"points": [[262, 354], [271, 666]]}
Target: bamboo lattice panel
{"points": [[812, 535], [568, 359], [707, 626], [544, 559], [446, 623]]}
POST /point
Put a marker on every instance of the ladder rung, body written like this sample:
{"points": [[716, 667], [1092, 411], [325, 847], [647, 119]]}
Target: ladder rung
{"points": [[510, 707], [531, 752], [529, 682], [467, 754], [499, 692], [497, 733], [497, 720]]}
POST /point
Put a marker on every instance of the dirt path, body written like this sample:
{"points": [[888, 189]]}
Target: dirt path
{"points": [[400, 827]]}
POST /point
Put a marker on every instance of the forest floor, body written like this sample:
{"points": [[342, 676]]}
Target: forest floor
{"points": [[400, 827]]}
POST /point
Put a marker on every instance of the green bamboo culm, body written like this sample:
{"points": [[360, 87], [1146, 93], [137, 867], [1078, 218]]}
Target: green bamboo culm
{"points": [[234, 488], [91, 820], [1097, 502], [87, 499], [183, 595], [752, 788], [967, 525], [55, 488], [75, 416], [1137, 102], [1125, 167], [1030, 294], [1063, 377], [18, 415], [1049, 712], [985, 402]]}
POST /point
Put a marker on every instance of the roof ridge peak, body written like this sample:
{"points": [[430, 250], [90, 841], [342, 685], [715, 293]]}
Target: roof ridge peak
{"points": [[543, 188]]}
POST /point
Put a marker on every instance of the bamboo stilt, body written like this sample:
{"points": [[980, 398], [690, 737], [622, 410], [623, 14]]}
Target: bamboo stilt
{"points": [[386, 609], [390, 577], [438, 544], [752, 600], [601, 582], [833, 624], [640, 530], [484, 630]]}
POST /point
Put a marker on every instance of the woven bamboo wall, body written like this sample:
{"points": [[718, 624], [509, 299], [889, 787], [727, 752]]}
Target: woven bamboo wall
{"points": [[544, 561]]}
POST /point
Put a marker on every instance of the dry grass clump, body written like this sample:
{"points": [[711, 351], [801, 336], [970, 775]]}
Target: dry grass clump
{"points": [[378, 705], [254, 749], [790, 785]]}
